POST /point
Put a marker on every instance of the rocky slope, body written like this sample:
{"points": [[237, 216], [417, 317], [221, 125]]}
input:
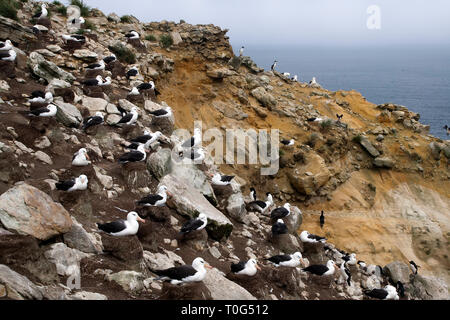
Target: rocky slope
{"points": [[382, 181]]}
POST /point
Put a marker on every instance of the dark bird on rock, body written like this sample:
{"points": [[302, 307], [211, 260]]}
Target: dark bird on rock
{"points": [[196, 224], [414, 267], [122, 228], [93, 121], [110, 59], [322, 219], [134, 156], [279, 228], [274, 65], [183, 274], [447, 129], [322, 270], [248, 268], [281, 212], [388, 293], [339, 117], [345, 272], [133, 72]]}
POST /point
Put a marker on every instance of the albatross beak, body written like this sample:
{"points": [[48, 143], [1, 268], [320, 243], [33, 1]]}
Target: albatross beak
{"points": [[208, 266], [258, 267], [170, 194], [140, 219], [87, 157]]}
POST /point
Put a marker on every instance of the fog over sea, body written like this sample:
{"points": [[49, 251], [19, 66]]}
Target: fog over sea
{"points": [[415, 77]]}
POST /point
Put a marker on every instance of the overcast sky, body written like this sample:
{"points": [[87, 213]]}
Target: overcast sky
{"points": [[300, 22]]}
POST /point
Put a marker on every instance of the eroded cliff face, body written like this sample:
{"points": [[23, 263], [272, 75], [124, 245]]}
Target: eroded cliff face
{"points": [[382, 181]]}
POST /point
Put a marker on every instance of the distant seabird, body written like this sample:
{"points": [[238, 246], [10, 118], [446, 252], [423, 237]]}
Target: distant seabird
{"points": [[447, 129], [362, 265], [414, 267], [388, 293], [133, 72], [350, 259], [261, 206], [48, 111], [279, 228], [134, 92], [147, 139], [130, 118], [287, 260], [286, 74], [79, 183], [339, 117], [6, 46], [241, 51], [107, 82], [93, 82], [194, 141], [38, 28], [315, 119], [148, 86], [281, 212], [81, 158], [93, 121], [196, 224], [274, 65], [182, 274], [248, 268], [252, 194], [97, 66], [346, 274], [322, 219], [79, 21], [162, 113], [134, 156], [43, 13], [400, 289], [295, 78], [132, 35], [41, 97], [8, 55], [305, 236], [122, 228], [155, 200], [313, 82], [142, 139], [288, 143], [110, 58], [322, 270], [74, 37], [221, 180]]}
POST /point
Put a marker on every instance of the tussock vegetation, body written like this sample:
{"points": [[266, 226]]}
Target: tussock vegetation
{"points": [[8, 9], [123, 53], [85, 10], [166, 40]]}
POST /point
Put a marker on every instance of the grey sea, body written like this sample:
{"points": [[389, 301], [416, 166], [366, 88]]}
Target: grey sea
{"points": [[415, 77]]}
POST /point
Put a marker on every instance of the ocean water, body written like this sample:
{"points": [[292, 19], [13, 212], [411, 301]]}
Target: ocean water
{"points": [[415, 77]]}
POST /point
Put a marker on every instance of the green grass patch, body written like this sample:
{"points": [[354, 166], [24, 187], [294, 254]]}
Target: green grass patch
{"points": [[166, 40], [89, 25], [123, 53], [8, 9], [126, 19], [357, 139], [150, 37]]}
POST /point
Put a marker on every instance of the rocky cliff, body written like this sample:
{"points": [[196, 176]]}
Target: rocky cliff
{"points": [[381, 179]]}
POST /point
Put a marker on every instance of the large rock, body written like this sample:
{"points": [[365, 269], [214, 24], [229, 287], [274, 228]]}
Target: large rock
{"points": [[85, 295], [85, 55], [428, 288], [223, 289], [230, 110], [78, 238], [397, 271], [23, 254], [220, 73], [30, 211], [194, 176], [265, 98], [126, 249], [16, 32], [294, 220], [130, 281], [188, 201], [47, 70], [17, 286], [67, 260], [158, 163], [68, 114], [94, 104], [383, 162], [189, 291], [367, 145], [308, 178], [436, 149], [236, 207]]}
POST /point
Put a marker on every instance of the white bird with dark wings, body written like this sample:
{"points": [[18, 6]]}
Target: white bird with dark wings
{"points": [[287, 260], [122, 228], [155, 200], [196, 224], [183, 274]]}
